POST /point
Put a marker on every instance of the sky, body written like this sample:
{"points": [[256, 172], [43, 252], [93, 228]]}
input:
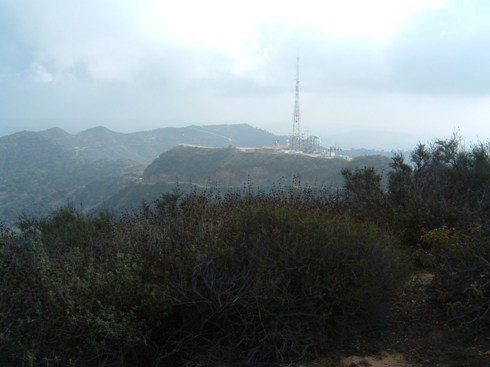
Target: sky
{"points": [[381, 74]]}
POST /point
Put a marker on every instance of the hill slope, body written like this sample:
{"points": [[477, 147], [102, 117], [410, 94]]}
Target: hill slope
{"points": [[101, 168], [145, 146], [37, 174], [232, 167], [41, 171]]}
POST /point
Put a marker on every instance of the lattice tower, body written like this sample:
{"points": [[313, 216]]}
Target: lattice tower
{"points": [[295, 141]]}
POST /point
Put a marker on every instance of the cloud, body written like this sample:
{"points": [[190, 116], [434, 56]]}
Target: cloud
{"points": [[41, 74], [154, 62], [247, 51], [444, 51]]}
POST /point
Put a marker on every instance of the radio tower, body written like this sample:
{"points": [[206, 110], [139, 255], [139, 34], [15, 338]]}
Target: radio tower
{"points": [[295, 141]]}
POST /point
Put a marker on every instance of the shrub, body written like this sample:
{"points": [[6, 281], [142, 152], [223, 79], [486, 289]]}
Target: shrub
{"points": [[297, 281], [462, 285], [446, 185], [203, 279], [363, 191]]}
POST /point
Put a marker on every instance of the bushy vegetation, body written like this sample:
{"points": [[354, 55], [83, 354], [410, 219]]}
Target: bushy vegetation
{"points": [[248, 277], [438, 204]]}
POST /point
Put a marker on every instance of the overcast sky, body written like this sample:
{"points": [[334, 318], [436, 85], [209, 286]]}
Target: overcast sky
{"points": [[387, 73]]}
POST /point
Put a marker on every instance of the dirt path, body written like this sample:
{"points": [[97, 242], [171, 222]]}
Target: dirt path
{"points": [[382, 360]]}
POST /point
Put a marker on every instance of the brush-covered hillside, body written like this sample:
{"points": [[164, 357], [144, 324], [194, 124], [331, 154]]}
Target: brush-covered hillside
{"points": [[38, 175], [41, 171], [234, 167], [263, 278]]}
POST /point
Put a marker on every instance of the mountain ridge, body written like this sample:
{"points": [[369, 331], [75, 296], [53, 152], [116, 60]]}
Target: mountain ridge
{"points": [[144, 146], [40, 171]]}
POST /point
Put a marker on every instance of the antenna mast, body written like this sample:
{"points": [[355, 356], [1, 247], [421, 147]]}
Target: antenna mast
{"points": [[295, 141]]}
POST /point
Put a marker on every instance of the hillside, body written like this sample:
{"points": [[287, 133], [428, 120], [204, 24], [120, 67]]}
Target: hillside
{"points": [[194, 169], [38, 175], [100, 168], [144, 146], [41, 171], [232, 167], [395, 276]]}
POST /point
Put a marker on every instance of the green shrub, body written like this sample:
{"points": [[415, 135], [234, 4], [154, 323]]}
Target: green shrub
{"points": [[202, 278], [310, 279], [445, 185], [269, 281], [440, 206], [462, 284]]}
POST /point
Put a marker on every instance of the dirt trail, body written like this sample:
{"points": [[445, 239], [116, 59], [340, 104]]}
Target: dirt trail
{"points": [[383, 360]]}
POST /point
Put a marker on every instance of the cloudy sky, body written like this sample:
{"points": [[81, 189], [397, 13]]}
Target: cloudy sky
{"points": [[379, 73]]}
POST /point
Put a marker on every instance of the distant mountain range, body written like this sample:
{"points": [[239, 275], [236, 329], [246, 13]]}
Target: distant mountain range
{"points": [[41, 171], [144, 146]]}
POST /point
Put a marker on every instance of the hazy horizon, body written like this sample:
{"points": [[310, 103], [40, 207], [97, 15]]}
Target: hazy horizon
{"points": [[388, 73], [345, 140]]}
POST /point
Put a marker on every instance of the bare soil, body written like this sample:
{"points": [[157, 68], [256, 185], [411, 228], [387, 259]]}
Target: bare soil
{"points": [[382, 360]]}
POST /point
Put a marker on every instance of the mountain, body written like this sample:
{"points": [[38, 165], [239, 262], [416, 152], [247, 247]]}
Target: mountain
{"points": [[144, 146], [102, 169], [37, 174], [41, 171], [234, 167], [191, 168]]}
